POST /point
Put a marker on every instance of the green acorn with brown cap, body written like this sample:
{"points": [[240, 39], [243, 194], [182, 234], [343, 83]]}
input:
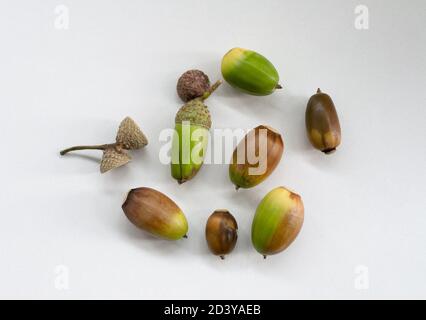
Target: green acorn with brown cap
{"points": [[192, 125]]}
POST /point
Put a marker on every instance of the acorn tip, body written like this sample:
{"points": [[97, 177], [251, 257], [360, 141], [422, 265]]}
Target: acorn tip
{"points": [[329, 151]]}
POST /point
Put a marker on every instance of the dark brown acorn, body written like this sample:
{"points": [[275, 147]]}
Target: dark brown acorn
{"points": [[221, 232], [322, 123], [192, 84]]}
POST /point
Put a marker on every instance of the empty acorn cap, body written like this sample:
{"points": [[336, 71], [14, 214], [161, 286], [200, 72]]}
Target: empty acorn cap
{"points": [[130, 135], [113, 158]]}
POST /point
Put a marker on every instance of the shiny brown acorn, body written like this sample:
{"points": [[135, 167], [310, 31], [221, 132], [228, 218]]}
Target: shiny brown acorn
{"points": [[221, 232], [322, 123], [255, 158], [153, 211]]}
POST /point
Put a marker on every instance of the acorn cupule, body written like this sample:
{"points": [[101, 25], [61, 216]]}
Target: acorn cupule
{"points": [[129, 137], [192, 84]]}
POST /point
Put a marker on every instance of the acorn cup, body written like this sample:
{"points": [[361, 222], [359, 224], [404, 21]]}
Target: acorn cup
{"points": [[221, 232], [256, 157], [156, 213], [192, 125], [322, 123], [277, 222], [129, 137], [192, 84]]}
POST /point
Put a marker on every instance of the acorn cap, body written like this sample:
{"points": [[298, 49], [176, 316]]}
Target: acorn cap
{"points": [[130, 135], [192, 84], [113, 158], [196, 112]]}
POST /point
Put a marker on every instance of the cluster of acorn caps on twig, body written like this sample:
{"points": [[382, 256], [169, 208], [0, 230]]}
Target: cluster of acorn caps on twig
{"points": [[129, 137], [279, 215]]}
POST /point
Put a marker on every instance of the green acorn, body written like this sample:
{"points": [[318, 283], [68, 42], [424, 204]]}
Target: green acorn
{"points": [[250, 72], [192, 125]]}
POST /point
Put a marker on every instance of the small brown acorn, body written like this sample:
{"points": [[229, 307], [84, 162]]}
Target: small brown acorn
{"points": [[129, 137], [192, 84], [221, 232]]}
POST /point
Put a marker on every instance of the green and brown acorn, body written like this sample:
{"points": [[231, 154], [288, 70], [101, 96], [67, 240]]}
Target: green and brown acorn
{"points": [[277, 222], [263, 144], [156, 213], [192, 125], [322, 123]]}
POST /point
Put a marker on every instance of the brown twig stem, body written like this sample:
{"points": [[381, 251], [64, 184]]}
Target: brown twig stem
{"points": [[97, 147], [211, 90]]}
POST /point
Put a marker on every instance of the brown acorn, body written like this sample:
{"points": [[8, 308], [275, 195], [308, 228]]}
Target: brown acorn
{"points": [[221, 232], [156, 213], [322, 123], [129, 137], [192, 84], [256, 157]]}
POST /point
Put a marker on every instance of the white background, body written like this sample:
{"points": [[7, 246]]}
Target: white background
{"points": [[364, 205]]}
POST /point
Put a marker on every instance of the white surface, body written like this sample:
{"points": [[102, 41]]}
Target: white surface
{"points": [[364, 205]]}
